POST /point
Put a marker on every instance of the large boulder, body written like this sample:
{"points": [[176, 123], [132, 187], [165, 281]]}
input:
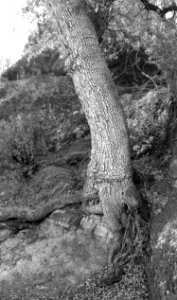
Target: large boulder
{"points": [[162, 267], [50, 259]]}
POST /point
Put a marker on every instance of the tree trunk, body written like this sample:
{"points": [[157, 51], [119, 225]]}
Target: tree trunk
{"points": [[109, 171]]}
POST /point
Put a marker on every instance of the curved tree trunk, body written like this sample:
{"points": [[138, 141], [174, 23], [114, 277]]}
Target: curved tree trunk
{"points": [[109, 170]]}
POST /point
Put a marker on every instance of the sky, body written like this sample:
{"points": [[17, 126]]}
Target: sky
{"points": [[14, 29]]}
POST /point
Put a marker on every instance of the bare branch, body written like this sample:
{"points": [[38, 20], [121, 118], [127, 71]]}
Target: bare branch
{"points": [[161, 11]]}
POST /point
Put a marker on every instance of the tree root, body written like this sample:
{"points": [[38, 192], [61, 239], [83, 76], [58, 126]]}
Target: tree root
{"points": [[128, 246], [27, 214]]}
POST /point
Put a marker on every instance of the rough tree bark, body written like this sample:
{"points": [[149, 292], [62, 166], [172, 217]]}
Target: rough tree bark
{"points": [[109, 171]]}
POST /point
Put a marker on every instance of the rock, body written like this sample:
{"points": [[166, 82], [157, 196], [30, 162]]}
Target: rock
{"points": [[88, 224], [54, 260], [162, 268], [101, 231], [4, 234]]}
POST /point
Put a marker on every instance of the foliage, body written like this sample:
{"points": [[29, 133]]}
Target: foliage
{"points": [[131, 286], [147, 117], [45, 35], [40, 114], [132, 24], [120, 23], [162, 48], [37, 115], [21, 141]]}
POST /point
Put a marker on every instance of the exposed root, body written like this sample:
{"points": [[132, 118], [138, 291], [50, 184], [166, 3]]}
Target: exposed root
{"points": [[128, 246], [43, 210], [92, 206]]}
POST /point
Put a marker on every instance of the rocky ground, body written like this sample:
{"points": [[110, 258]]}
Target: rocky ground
{"points": [[45, 260]]}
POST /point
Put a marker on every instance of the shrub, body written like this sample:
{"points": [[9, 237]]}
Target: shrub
{"points": [[21, 140]]}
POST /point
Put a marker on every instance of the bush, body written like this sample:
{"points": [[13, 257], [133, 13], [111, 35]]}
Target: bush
{"points": [[147, 118], [21, 141]]}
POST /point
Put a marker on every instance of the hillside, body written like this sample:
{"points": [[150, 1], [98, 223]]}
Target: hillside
{"points": [[44, 152]]}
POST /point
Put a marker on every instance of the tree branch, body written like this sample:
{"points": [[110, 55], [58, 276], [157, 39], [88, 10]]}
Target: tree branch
{"points": [[161, 12]]}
